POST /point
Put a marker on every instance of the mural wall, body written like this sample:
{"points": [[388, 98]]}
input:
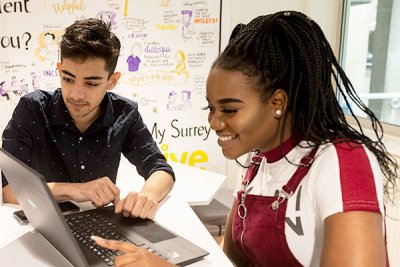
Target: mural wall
{"points": [[167, 49]]}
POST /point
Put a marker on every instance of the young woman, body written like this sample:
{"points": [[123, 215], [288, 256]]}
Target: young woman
{"points": [[311, 191]]}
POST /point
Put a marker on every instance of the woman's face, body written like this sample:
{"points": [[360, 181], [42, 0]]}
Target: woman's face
{"points": [[240, 119]]}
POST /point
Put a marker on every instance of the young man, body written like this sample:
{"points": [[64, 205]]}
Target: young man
{"points": [[75, 135]]}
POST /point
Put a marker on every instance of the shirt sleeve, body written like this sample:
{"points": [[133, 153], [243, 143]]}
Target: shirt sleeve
{"points": [[141, 150], [16, 137], [348, 179]]}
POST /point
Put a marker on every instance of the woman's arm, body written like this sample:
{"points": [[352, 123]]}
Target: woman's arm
{"points": [[354, 239], [131, 255], [8, 195]]}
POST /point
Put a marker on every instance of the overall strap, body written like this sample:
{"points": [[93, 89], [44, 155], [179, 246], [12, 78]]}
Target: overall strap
{"points": [[301, 171], [253, 169]]}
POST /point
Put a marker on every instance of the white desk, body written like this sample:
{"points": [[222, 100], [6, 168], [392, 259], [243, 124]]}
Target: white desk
{"points": [[174, 212], [196, 186]]}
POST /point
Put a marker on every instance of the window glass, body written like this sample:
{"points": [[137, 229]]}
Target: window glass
{"points": [[370, 55]]}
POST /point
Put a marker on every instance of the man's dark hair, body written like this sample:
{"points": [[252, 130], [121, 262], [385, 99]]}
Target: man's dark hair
{"points": [[91, 38], [288, 50]]}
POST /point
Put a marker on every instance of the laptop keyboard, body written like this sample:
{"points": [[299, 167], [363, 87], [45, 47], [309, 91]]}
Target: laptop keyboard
{"points": [[83, 226]]}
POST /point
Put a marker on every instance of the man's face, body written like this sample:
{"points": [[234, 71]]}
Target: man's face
{"points": [[83, 86]]}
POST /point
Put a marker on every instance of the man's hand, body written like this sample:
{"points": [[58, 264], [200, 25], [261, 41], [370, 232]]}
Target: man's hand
{"points": [[144, 204], [100, 192], [137, 205], [131, 255]]}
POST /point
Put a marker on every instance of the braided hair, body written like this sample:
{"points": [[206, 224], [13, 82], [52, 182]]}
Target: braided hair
{"points": [[288, 50]]}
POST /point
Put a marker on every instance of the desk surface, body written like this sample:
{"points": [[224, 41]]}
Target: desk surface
{"points": [[174, 214], [193, 186], [196, 186]]}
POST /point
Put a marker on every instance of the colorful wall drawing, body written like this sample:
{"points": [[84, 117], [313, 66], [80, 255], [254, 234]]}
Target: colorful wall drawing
{"points": [[167, 50]]}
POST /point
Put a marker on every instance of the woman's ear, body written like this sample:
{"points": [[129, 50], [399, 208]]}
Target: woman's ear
{"points": [[279, 100]]}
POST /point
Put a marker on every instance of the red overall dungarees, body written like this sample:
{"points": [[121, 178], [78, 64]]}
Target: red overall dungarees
{"points": [[258, 227]]}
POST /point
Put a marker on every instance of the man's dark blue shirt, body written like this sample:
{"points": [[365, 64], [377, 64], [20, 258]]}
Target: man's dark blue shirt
{"points": [[42, 134]]}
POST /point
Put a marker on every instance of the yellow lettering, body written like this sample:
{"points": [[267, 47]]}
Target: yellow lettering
{"points": [[197, 157], [173, 157], [184, 157], [69, 6]]}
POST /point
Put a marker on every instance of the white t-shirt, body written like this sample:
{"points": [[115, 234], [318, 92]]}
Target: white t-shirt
{"points": [[340, 179]]}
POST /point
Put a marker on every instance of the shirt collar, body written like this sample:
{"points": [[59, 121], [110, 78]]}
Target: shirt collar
{"points": [[107, 116], [282, 150], [59, 113]]}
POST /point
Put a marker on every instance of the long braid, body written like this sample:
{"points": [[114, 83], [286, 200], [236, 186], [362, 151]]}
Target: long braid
{"points": [[288, 50]]}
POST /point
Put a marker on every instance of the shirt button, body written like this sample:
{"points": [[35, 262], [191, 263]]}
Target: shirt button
{"points": [[82, 167], [80, 138]]}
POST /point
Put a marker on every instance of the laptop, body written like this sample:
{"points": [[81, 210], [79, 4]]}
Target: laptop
{"points": [[43, 213]]}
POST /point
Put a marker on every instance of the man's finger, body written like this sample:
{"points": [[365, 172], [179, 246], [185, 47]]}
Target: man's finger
{"points": [[138, 207], [108, 195], [115, 191], [116, 198], [129, 204], [96, 200], [110, 190], [119, 206], [153, 211], [145, 209]]}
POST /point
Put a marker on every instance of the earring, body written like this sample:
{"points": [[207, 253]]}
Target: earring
{"points": [[278, 113]]}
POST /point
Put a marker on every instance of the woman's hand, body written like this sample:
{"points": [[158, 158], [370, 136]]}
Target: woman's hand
{"points": [[131, 255]]}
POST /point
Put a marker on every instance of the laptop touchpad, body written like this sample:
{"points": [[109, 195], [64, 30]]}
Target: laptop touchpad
{"points": [[148, 229], [152, 232]]}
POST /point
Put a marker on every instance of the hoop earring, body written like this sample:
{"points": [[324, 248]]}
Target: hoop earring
{"points": [[278, 113]]}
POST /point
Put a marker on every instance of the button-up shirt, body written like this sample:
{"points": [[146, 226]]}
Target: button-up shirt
{"points": [[42, 134]]}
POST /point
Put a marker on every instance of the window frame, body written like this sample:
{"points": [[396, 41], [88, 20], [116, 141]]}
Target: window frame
{"points": [[391, 131]]}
